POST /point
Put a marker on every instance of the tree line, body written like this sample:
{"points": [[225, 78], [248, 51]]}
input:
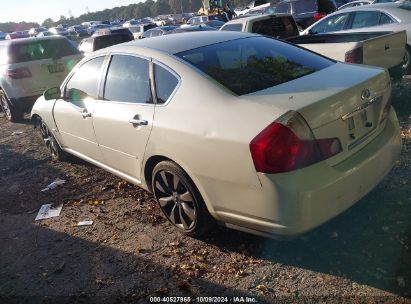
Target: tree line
{"points": [[149, 8]]}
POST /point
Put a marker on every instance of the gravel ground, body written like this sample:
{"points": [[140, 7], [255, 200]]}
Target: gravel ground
{"points": [[131, 253]]}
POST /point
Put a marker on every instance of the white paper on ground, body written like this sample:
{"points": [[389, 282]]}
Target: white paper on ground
{"points": [[85, 223], [46, 211]]}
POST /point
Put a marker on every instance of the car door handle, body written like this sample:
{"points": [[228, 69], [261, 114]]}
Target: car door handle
{"points": [[138, 122], [86, 114]]}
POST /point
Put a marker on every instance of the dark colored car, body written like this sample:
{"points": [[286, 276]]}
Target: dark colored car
{"points": [[111, 31], [91, 44], [96, 27], [78, 30], [306, 12], [158, 31]]}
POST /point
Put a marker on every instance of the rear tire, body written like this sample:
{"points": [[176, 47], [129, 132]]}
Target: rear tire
{"points": [[406, 65], [57, 154], [12, 113], [179, 200]]}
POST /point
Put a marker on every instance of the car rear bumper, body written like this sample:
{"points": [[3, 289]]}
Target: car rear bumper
{"points": [[24, 103], [290, 204]]}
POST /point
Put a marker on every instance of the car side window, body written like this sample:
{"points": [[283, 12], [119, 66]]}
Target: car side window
{"points": [[85, 81], [331, 24], [385, 19], [128, 80], [365, 19], [166, 82]]}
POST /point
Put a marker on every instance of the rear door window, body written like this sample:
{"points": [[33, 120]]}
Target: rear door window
{"points": [[128, 80], [252, 64], [365, 19], [40, 49], [331, 24]]}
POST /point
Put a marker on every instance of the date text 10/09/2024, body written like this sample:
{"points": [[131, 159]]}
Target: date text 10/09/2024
{"points": [[168, 299]]}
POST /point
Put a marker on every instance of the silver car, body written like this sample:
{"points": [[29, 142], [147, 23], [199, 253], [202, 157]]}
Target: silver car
{"points": [[235, 128]]}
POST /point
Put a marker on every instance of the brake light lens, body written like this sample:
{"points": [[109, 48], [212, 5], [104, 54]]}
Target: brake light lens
{"points": [[354, 56], [288, 144], [18, 73], [318, 16]]}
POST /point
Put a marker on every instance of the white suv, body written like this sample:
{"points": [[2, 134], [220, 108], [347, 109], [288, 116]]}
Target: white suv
{"points": [[28, 67]]}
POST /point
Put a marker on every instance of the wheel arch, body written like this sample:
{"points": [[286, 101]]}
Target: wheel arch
{"points": [[153, 160]]}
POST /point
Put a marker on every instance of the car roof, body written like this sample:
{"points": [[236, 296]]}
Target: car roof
{"points": [[180, 42], [391, 8], [30, 39]]}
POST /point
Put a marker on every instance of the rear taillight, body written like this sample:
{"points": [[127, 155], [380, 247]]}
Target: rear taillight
{"points": [[386, 110], [18, 73], [289, 144], [318, 16], [354, 56]]}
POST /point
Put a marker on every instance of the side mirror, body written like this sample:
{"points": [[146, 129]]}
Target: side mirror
{"points": [[52, 93]]}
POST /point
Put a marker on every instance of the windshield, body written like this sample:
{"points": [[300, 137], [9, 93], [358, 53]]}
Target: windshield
{"points": [[252, 64]]}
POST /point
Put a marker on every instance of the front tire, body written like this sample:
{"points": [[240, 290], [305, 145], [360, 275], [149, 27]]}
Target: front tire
{"points": [[57, 154], [179, 200], [12, 113]]}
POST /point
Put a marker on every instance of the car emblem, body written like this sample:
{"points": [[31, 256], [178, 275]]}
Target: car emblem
{"points": [[365, 94]]}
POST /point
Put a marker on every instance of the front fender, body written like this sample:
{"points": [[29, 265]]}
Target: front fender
{"points": [[43, 109]]}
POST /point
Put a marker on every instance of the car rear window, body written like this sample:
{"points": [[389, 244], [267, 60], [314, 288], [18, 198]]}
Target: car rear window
{"points": [[109, 40], [282, 27], [40, 49], [249, 65]]}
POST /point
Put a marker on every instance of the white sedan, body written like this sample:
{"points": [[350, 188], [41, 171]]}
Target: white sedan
{"points": [[382, 17], [228, 127]]}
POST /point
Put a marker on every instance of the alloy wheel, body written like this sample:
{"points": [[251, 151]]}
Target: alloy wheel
{"points": [[5, 106], [175, 200], [49, 140], [406, 61]]}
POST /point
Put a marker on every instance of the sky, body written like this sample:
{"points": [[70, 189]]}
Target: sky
{"points": [[39, 10]]}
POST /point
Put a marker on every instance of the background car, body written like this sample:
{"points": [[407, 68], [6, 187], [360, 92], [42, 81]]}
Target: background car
{"points": [[355, 3], [197, 156], [369, 18], [91, 44], [306, 12], [192, 28], [114, 30], [138, 30], [17, 35], [59, 31], [45, 34], [32, 65], [33, 32], [78, 30], [2, 35], [158, 31], [214, 23], [93, 28]]}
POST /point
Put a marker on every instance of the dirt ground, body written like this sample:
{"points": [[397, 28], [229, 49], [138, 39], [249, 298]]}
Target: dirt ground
{"points": [[131, 254]]}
